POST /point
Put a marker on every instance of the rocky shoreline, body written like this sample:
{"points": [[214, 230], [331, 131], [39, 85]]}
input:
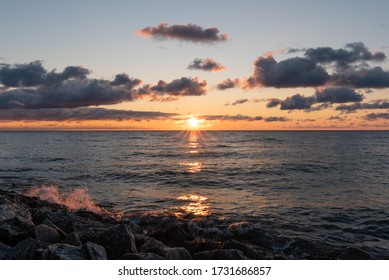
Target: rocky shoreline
{"points": [[31, 228]]}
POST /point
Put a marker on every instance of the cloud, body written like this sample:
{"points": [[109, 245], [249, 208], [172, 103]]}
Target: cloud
{"points": [[377, 116], [297, 101], [125, 80], [324, 97], [189, 33], [336, 118], [179, 87], [227, 84], [230, 118], [78, 114], [68, 94], [363, 106], [239, 101], [276, 119], [363, 78], [292, 72], [337, 95], [274, 102], [353, 52], [207, 64], [27, 75]]}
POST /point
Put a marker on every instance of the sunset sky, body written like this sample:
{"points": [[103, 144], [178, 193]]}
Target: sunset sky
{"points": [[171, 65]]}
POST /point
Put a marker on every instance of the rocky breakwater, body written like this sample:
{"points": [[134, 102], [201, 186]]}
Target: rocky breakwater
{"points": [[31, 228]]}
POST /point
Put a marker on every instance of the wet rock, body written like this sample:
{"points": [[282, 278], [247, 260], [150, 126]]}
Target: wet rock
{"points": [[151, 245], [25, 250], [94, 251], [117, 241], [228, 254], [196, 246], [12, 234], [63, 219], [141, 256], [239, 229], [46, 234], [48, 223], [15, 213], [136, 229], [4, 251], [248, 250], [175, 235], [62, 252], [72, 239]]}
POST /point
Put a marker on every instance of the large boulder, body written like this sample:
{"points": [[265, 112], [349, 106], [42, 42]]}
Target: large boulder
{"points": [[60, 251], [4, 251], [117, 241], [94, 251], [25, 250], [151, 245], [250, 251], [175, 235], [72, 239], [228, 254], [46, 234]]}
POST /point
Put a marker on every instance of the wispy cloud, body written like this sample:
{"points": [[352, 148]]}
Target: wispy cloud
{"points": [[189, 32]]}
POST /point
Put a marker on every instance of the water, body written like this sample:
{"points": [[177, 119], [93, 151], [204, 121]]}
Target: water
{"points": [[329, 189]]}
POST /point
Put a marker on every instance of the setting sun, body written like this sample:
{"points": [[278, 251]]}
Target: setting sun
{"points": [[194, 123]]}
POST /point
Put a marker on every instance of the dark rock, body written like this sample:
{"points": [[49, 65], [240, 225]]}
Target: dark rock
{"points": [[25, 250], [352, 253], [46, 234], [151, 245], [72, 239], [228, 254], [141, 256], [48, 223], [140, 239], [63, 219], [248, 250], [175, 235], [4, 251], [196, 246], [16, 213], [94, 251], [136, 229], [62, 252], [12, 234], [117, 241], [89, 230], [239, 229]]}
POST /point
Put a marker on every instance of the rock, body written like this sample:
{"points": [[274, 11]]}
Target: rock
{"points": [[117, 241], [352, 253], [12, 234], [136, 229], [248, 250], [228, 254], [151, 245], [46, 234], [141, 256], [175, 235], [62, 252], [4, 251], [25, 250], [94, 251], [16, 213], [239, 229], [48, 223], [72, 239], [196, 246], [63, 219]]}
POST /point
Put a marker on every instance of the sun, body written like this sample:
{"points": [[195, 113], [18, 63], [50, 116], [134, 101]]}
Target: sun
{"points": [[194, 123]]}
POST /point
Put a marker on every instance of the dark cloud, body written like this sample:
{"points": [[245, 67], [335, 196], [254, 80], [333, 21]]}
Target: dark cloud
{"points": [[292, 72], [377, 116], [363, 106], [293, 50], [227, 84], [336, 118], [230, 118], [276, 119], [207, 64], [338, 95], [125, 80], [180, 87], [22, 75], [297, 101], [274, 102], [364, 78], [189, 32], [78, 114], [353, 52], [69, 94], [239, 101]]}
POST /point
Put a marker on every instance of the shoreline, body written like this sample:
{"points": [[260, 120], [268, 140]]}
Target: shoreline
{"points": [[31, 228]]}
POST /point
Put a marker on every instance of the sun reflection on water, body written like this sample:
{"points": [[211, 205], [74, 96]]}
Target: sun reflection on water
{"points": [[195, 205]]}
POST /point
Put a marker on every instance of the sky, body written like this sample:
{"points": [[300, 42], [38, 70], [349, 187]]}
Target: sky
{"points": [[173, 65]]}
